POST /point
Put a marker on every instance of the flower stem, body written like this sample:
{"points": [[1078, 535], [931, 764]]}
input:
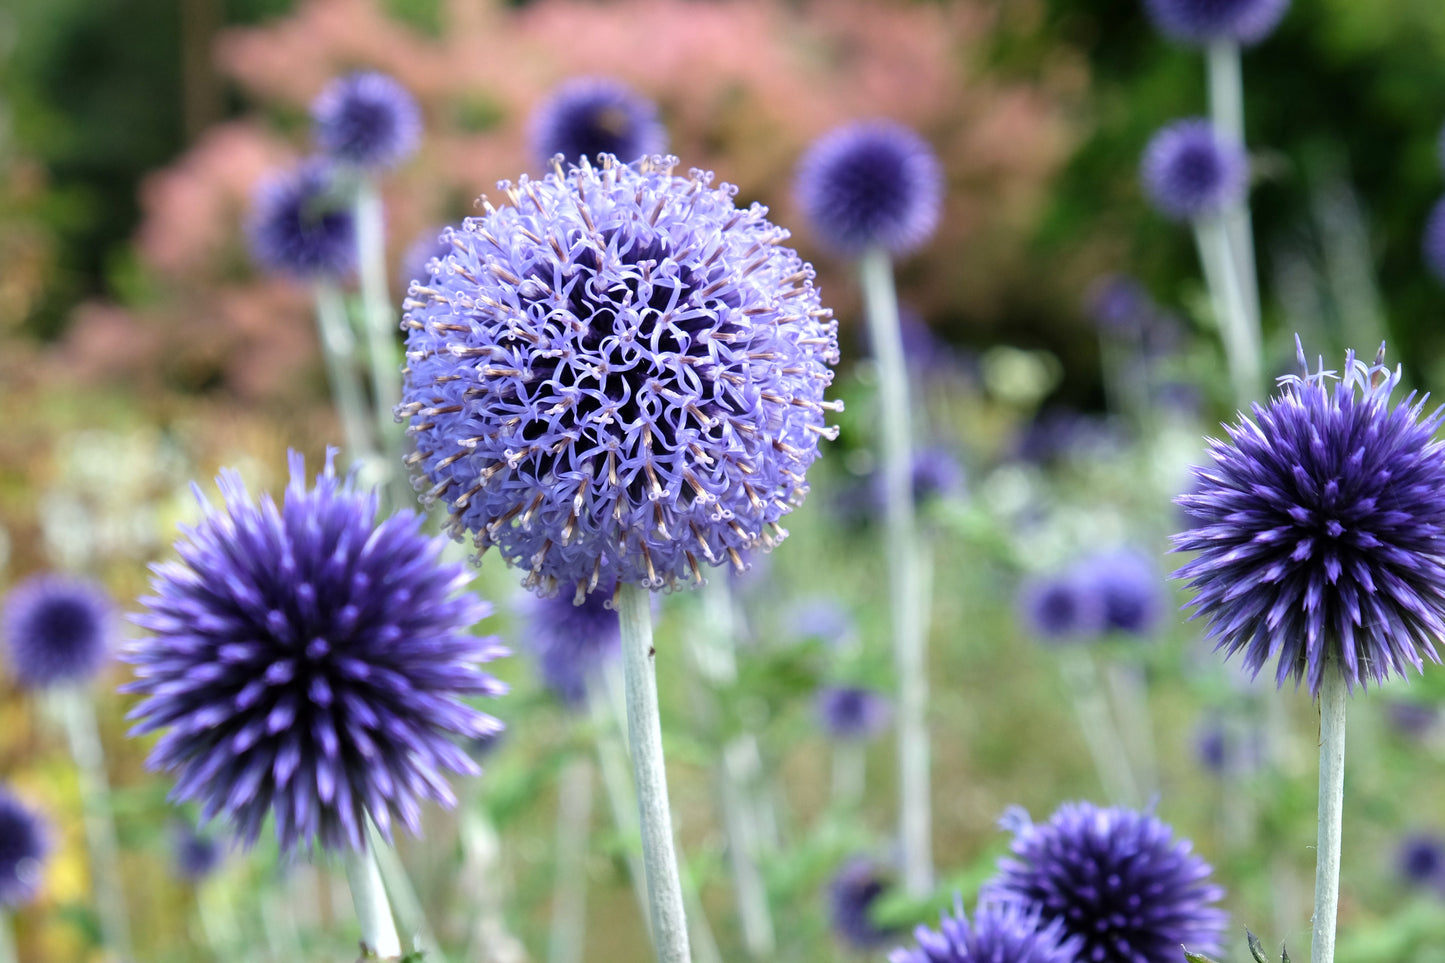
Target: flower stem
{"points": [[403, 894], [569, 890], [1333, 695], [1240, 334], [909, 645], [1226, 109], [338, 347], [644, 735], [380, 320], [378, 929], [8, 952], [1096, 725]]}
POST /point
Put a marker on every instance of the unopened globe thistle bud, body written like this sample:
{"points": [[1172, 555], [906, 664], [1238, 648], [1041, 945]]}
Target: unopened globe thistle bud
{"points": [[366, 120], [1190, 171], [591, 116]]}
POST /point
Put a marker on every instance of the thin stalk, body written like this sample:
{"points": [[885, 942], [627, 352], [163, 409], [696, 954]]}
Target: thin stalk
{"points": [[1226, 109], [373, 912], [569, 888], [612, 759], [338, 347], [77, 713], [1101, 736], [752, 894], [1240, 335], [909, 645], [850, 769], [1131, 708], [644, 735], [1333, 696], [8, 952], [480, 879], [409, 911], [380, 320]]}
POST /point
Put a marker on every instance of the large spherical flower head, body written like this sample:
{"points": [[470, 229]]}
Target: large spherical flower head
{"points": [[1190, 171], [572, 641], [1116, 878], [301, 224], [618, 377], [1320, 530], [22, 850], [1205, 21], [871, 184], [366, 120], [311, 662], [591, 116], [1432, 244], [999, 933], [59, 629]]}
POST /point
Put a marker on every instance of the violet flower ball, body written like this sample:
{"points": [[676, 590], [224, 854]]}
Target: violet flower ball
{"points": [[998, 933], [1432, 243], [59, 630], [591, 116], [572, 642], [851, 895], [1189, 171], [301, 224], [366, 120], [1063, 607], [1202, 22], [23, 847], [853, 713]]}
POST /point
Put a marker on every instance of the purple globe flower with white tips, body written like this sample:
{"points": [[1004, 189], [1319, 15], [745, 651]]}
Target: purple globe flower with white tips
{"points": [[301, 224], [366, 120], [591, 116], [310, 662], [23, 847], [59, 630], [871, 184], [1432, 243], [1117, 879], [572, 641], [1202, 22], [618, 377], [999, 933], [1320, 530], [1189, 171]]}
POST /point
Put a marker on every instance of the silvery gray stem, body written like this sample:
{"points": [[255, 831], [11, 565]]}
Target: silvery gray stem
{"points": [[408, 906], [569, 884], [1226, 109], [338, 348], [8, 952], [381, 321], [1239, 333], [1101, 735], [1333, 696], [373, 912]]}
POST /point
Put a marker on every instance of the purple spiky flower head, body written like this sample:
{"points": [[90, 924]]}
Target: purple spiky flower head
{"points": [[853, 713], [999, 933], [23, 847], [851, 895], [591, 116], [366, 120], [572, 641], [871, 183], [618, 377], [311, 663], [1320, 530], [1131, 588], [1061, 607], [1190, 171], [1201, 22], [1420, 861], [1116, 878], [1432, 243], [59, 630], [195, 854], [301, 224]]}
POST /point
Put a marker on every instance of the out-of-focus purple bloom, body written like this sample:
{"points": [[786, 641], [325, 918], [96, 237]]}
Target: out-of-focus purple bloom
{"points": [[853, 713], [60, 630], [999, 933], [1120, 306], [870, 184], [1421, 861], [821, 617], [627, 407], [571, 642], [1059, 434], [1131, 588], [1223, 751], [1432, 244], [1320, 530], [936, 474], [1211, 746], [1190, 171], [310, 662], [366, 120], [1116, 878], [196, 854], [1062, 607], [1412, 719], [302, 225], [429, 244], [1200, 22], [851, 895], [591, 116], [23, 847]]}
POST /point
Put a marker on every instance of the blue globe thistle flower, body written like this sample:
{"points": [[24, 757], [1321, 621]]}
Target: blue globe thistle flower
{"points": [[1421, 861], [618, 377], [1412, 719], [572, 642], [195, 855], [310, 662], [1200, 22], [1119, 305], [851, 895], [1131, 588], [1116, 878], [60, 630], [1320, 530], [1432, 244], [1190, 171], [366, 120], [853, 712], [870, 183], [301, 224], [23, 846], [591, 116], [999, 933], [1061, 607]]}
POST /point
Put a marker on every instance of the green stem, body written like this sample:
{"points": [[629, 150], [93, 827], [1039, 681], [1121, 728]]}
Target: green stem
{"points": [[408, 906], [644, 735], [378, 929], [1239, 333], [1096, 725], [1226, 108], [569, 893], [338, 348], [1333, 696], [8, 952], [380, 321]]}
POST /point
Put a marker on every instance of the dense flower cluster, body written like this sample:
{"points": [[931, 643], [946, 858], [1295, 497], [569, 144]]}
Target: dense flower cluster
{"points": [[999, 933], [59, 630], [618, 377], [591, 116], [301, 224], [1204, 21], [311, 662], [1190, 171], [1119, 590], [366, 120], [1320, 530]]}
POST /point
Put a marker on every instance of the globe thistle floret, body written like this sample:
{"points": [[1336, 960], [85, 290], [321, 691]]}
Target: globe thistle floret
{"points": [[1320, 530], [1190, 171], [59, 630], [591, 116], [1200, 22], [310, 662], [1060, 607], [195, 855], [23, 847], [366, 120], [618, 377], [1130, 587], [1116, 878], [851, 896], [1432, 243], [870, 184], [572, 641], [1420, 861], [999, 933], [853, 713], [301, 224]]}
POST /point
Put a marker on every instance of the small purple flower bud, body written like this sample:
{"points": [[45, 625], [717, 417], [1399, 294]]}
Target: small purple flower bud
{"points": [[196, 854], [572, 641], [23, 847], [1189, 171], [851, 896], [1061, 608], [366, 120], [1200, 22], [591, 116], [1421, 861], [302, 225], [60, 630], [853, 713], [1432, 244]]}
